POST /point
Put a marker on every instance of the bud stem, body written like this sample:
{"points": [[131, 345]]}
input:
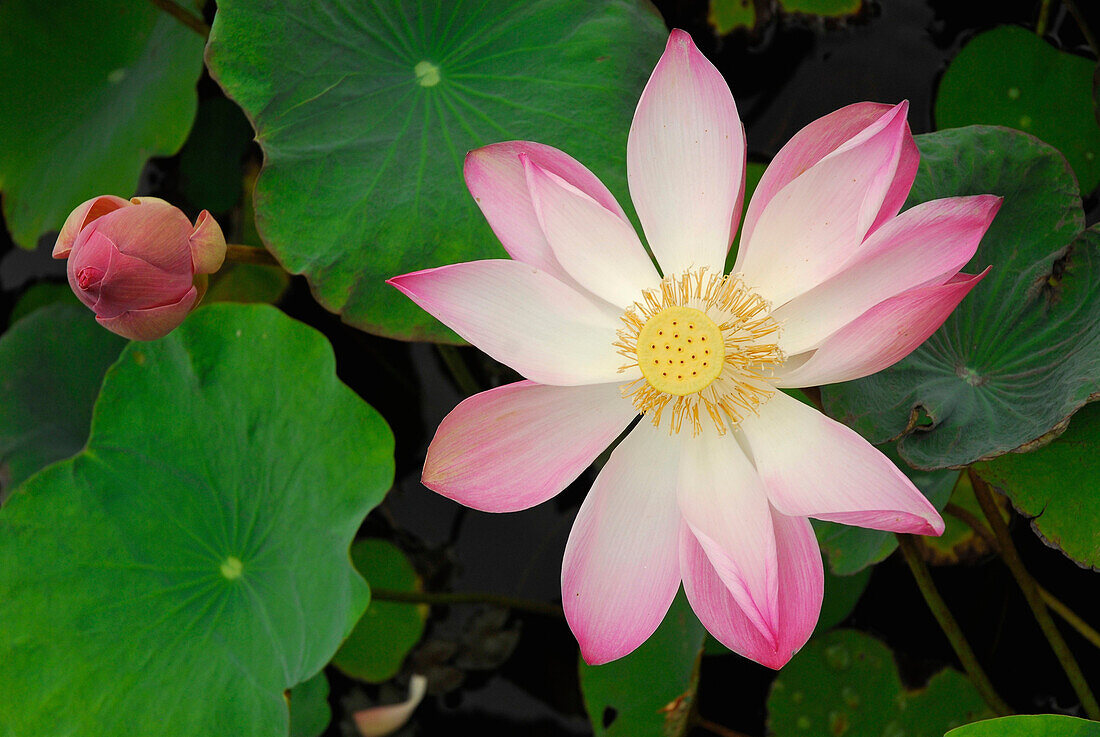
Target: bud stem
{"points": [[239, 254], [183, 16]]}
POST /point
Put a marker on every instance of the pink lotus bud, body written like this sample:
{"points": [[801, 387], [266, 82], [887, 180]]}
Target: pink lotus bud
{"points": [[139, 264]]}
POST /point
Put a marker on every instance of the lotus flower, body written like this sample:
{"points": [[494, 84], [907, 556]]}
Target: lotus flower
{"points": [[139, 264], [713, 487]]}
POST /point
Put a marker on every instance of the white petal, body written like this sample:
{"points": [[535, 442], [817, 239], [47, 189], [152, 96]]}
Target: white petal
{"points": [[686, 160], [621, 569], [523, 318], [595, 246]]}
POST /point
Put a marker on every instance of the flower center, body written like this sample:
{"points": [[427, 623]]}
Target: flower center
{"points": [[706, 346], [680, 351]]}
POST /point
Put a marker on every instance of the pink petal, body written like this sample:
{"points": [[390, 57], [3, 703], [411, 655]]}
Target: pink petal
{"points": [[686, 160], [801, 587], [516, 446], [207, 244], [925, 245], [85, 213], [524, 318], [127, 282], [620, 572], [723, 501], [813, 466], [819, 139], [594, 245], [152, 323], [153, 231], [881, 336], [379, 721], [495, 177], [817, 222]]}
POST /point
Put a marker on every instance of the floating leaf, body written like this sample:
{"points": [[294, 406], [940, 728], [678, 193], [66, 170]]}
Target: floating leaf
{"points": [[90, 91], [365, 112], [850, 549], [1030, 725], [248, 283], [42, 294], [1022, 351], [727, 16], [191, 564], [51, 365], [648, 693], [310, 713], [1009, 76], [825, 8], [387, 631], [1056, 486], [846, 683]]}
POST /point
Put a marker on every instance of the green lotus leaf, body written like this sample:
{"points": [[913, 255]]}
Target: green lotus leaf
{"points": [[1056, 486], [387, 631], [650, 692], [1030, 725], [53, 361], [1009, 76], [726, 16], [310, 713], [1022, 351], [846, 683], [90, 91], [826, 8], [191, 564], [365, 112]]}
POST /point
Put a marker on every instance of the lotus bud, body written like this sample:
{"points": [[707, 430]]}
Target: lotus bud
{"points": [[139, 264]]}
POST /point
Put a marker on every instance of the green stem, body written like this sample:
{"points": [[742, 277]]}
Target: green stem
{"points": [[468, 597], [911, 551], [1043, 20], [1090, 39], [183, 16], [1030, 590], [1071, 617], [716, 728], [249, 255], [459, 372]]}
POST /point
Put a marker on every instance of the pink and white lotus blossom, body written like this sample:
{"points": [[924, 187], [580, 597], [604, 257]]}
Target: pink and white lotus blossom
{"points": [[713, 487]]}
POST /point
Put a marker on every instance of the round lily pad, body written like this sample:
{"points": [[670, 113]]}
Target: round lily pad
{"points": [[1056, 486], [90, 91], [387, 631], [191, 564], [1009, 76], [650, 692], [310, 713], [1022, 351], [51, 364], [366, 110], [1030, 725], [846, 683]]}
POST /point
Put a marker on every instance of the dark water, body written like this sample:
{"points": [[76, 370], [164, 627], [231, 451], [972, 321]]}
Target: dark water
{"points": [[790, 73]]}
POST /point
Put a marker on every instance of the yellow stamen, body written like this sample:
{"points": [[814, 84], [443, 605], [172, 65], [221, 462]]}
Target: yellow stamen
{"points": [[703, 342]]}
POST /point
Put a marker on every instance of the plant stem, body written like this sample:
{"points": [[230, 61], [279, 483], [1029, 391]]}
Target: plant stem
{"points": [[459, 371], [1090, 39], [1043, 20], [183, 16], [467, 597], [718, 729], [249, 255], [1072, 618], [911, 551], [1030, 589]]}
